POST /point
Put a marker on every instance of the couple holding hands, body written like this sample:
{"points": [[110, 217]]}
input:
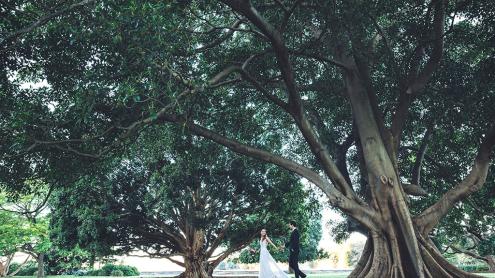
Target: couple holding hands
{"points": [[268, 266]]}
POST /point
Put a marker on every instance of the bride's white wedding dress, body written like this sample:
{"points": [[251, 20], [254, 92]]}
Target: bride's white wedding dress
{"points": [[268, 266]]}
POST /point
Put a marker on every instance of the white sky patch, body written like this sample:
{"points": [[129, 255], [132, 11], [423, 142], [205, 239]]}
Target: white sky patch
{"points": [[35, 85]]}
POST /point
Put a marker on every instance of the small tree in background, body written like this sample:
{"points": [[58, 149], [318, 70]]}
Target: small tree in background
{"points": [[20, 235], [14, 235], [187, 198], [61, 261], [31, 208]]}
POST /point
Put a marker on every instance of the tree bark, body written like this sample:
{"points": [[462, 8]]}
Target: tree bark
{"points": [[196, 262], [378, 260], [5, 266], [196, 267], [40, 259], [396, 247], [490, 260]]}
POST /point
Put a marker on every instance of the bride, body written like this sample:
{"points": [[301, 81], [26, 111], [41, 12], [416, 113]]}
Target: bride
{"points": [[268, 266]]}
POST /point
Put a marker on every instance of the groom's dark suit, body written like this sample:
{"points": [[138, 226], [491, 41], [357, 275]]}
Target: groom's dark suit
{"points": [[293, 245]]}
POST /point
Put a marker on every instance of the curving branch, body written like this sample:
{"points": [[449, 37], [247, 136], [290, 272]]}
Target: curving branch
{"points": [[245, 8], [295, 106], [221, 235], [417, 81], [489, 259], [429, 218], [420, 155], [37, 209], [19, 267], [222, 256], [360, 212], [437, 52], [386, 42]]}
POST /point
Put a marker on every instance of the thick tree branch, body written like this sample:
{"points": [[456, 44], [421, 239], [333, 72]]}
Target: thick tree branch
{"points": [[222, 233], [361, 212], [417, 81], [170, 233], [467, 252], [429, 218], [179, 263], [413, 189], [416, 171], [245, 8], [437, 52], [295, 106], [229, 251]]}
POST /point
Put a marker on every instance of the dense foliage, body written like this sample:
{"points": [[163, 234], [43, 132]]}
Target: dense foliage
{"points": [[173, 195]]}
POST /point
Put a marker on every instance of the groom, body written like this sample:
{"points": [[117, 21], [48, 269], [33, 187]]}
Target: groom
{"points": [[293, 245]]}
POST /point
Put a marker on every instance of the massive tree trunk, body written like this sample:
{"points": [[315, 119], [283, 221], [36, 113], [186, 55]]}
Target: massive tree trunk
{"points": [[398, 246], [199, 262], [377, 260], [196, 267], [196, 260]]}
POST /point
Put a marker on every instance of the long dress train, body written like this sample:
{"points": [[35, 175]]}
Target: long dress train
{"points": [[268, 265]]}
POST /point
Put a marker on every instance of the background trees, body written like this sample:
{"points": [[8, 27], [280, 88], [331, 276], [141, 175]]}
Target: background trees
{"points": [[310, 251], [26, 225], [172, 195], [20, 236]]}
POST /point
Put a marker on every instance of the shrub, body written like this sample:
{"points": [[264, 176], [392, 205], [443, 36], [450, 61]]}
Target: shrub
{"points": [[109, 269], [79, 272], [91, 272], [117, 272], [26, 270], [474, 267]]}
